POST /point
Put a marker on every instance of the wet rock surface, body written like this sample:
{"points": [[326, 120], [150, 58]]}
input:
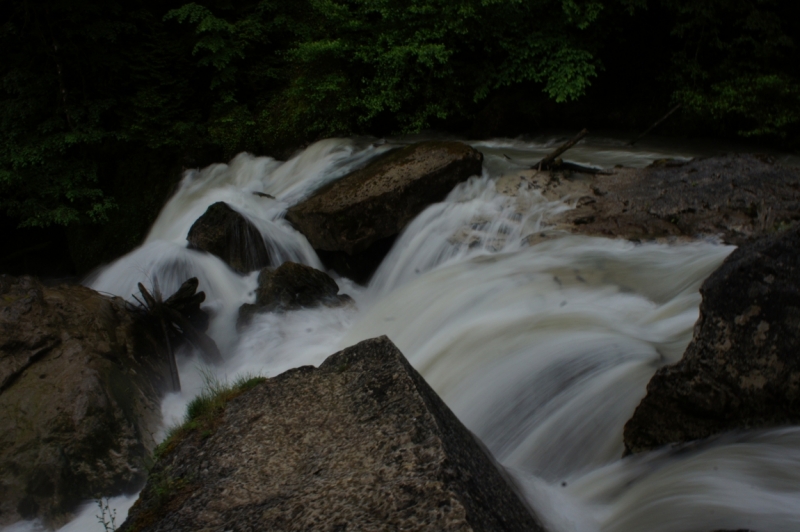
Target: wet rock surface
{"points": [[361, 443], [227, 234], [80, 382], [373, 204], [742, 368], [292, 286], [736, 197]]}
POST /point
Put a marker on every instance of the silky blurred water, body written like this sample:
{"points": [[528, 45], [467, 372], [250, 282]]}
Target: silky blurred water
{"points": [[543, 351]]}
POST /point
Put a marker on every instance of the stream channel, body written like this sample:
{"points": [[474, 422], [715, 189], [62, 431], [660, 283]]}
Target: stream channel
{"points": [[543, 351]]}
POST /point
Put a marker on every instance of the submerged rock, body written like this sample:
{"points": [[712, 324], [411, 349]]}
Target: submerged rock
{"points": [[736, 197], [227, 234], [80, 382], [742, 368], [292, 286], [362, 443], [364, 210]]}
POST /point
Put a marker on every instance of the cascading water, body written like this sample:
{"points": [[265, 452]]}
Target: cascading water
{"points": [[542, 350]]}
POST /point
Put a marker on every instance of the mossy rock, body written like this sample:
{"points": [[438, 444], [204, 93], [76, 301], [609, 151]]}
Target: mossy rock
{"points": [[81, 376]]}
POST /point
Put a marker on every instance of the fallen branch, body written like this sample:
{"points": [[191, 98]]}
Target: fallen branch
{"points": [[658, 123], [583, 169], [180, 316], [553, 155]]}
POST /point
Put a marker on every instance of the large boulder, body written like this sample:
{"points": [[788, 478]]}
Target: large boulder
{"points": [[80, 381], [365, 209], [362, 443], [742, 368], [737, 197], [292, 286], [227, 234]]}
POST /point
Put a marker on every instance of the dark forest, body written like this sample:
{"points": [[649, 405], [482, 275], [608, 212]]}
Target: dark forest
{"points": [[103, 103]]}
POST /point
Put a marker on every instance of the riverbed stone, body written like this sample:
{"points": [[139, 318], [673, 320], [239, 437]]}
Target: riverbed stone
{"points": [[80, 381], [364, 210], [360, 443], [742, 367], [292, 286], [735, 198], [230, 236]]}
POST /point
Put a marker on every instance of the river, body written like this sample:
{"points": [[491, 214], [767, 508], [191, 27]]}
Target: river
{"points": [[542, 350]]}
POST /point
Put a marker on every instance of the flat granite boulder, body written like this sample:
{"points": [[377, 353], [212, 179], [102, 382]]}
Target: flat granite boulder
{"points": [[362, 443], [227, 234], [376, 202], [742, 368], [81, 375], [736, 197]]}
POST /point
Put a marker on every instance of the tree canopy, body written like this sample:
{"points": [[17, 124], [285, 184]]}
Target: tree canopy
{"points": [[88, 85]]}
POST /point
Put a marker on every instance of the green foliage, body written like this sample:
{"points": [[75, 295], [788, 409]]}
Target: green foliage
{"points": [[202, 416], [81, 81], [766, 104], [216, 394], [737, 64], [88, 86], [333, 67], [164, 486], [220, 43], [108, 515], [202, 412]]}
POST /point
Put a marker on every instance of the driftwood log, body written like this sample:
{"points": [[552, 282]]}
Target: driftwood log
{"points": [[181, 318], [551, 157]]}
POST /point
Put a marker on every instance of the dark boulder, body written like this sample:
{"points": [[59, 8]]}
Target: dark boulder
{"points": [[370, 206], [362, 443], [738, 197], [227, 234], [742, 368], [80, 381], [291, 286]]}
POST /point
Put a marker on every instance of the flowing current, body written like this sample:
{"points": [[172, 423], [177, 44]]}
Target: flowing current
{"points": [[542, 350]]}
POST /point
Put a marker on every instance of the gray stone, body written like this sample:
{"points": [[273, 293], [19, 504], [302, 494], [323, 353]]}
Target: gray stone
{"points": [[361, 443], [367, 207], [80, 381], [737, 197], [292, 286], [742, 368], [227, 234]]}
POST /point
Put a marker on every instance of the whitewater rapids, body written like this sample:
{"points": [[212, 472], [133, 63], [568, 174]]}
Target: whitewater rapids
{"points": [[543, 351]]}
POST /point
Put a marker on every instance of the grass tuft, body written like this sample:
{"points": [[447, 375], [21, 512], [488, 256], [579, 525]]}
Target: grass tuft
{"points": [[203, 412]]}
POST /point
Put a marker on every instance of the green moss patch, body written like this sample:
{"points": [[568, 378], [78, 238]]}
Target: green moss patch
{"points": [[204, 411]]}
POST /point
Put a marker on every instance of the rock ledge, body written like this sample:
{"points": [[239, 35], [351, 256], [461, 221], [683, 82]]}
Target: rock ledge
{"points": [[361, 443]]}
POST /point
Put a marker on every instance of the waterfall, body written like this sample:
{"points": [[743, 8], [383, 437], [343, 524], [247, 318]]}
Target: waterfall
{"points": [[542, 350]]}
